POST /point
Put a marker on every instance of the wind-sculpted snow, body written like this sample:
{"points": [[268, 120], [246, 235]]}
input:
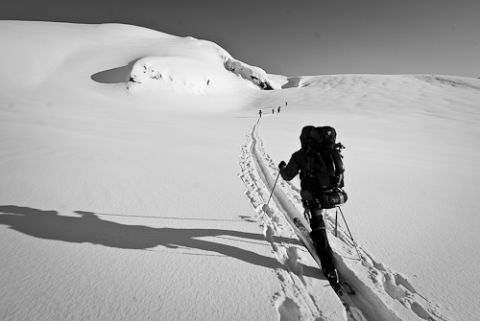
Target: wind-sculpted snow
{"points": [[192, 75], [381, 294], [254, 74], [178, 74], [205, 67], [457, 82]]}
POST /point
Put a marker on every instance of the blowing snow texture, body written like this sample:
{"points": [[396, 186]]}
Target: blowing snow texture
{"points": [[381, 294]]}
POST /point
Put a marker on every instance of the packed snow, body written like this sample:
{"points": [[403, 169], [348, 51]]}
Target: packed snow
{"points": [[137, 182]]}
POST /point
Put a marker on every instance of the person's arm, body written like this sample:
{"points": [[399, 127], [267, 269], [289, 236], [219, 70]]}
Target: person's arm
{"points": [[290, 170]]}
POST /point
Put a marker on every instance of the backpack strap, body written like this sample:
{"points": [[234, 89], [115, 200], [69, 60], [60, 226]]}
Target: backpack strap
{"points": [[338, 164]]}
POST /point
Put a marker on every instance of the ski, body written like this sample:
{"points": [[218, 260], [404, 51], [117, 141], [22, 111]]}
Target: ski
{"points": [[340, 287]]}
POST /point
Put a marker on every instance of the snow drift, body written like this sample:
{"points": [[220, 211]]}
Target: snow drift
{"points": [[192, 75], [196, 72]]}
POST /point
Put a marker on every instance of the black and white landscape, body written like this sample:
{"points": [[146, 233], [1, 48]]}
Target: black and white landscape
{"points": [[134, 173]]}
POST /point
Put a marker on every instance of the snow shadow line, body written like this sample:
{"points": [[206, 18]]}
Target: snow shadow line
{"points": [[115, 75], [172, 217], [88, 227]]}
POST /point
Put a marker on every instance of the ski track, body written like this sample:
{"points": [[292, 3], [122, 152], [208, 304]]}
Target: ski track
{"points": [[381, 294], [295, 301]]}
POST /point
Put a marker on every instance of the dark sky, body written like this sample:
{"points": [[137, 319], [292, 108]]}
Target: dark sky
{"points": [[300, 37]]}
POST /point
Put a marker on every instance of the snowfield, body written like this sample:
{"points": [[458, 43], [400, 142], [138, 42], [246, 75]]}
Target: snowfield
{"points": [[136, 171]]}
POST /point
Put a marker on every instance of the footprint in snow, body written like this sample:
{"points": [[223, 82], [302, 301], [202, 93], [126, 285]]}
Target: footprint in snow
{"points": [[292, 261], [289, 310], [269, 233]]}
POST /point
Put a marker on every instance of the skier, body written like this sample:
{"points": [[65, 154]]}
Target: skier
{"points": [[278, 109], [273, 111], [260, 113], [320, 166]]}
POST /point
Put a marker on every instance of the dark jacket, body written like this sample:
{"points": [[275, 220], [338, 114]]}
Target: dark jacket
{"points": [[329, 173]]}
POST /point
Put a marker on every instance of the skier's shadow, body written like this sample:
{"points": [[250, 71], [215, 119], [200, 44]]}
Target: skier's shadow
{"points": [[88, 227]]}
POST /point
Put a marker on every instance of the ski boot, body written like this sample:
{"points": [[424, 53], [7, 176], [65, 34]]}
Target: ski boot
{"points": [[332, 277]]}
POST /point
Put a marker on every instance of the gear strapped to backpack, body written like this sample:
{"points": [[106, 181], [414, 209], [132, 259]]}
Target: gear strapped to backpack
{"points": [[323, 175]]}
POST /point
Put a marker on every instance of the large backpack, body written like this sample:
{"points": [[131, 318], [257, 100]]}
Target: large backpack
{"points": [[323, 174]]}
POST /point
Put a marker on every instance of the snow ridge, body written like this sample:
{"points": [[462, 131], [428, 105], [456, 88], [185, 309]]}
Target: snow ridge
{"points": [[381, 294], [254, 74]]}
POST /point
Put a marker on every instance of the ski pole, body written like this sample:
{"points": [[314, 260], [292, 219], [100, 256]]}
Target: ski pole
{"points": [[336, 221], [351, 236], [273, 188]]}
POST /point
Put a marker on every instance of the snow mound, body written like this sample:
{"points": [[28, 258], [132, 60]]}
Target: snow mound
{"points": [[255, 74], [210, 69], [178, 74], [79, 55]]}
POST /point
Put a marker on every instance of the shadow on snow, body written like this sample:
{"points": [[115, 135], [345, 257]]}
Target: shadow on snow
{"points": [[89, 228]]}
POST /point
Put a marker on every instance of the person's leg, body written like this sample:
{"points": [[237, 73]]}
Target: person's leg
{"points": [[325, 253], [320, 239]]}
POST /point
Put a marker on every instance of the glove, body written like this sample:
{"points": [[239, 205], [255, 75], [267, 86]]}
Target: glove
{"points": [[282, 165], [308, 215]]}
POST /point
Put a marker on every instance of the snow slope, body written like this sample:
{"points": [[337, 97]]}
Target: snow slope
{"points": [[411, 171], [121, 150]]}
